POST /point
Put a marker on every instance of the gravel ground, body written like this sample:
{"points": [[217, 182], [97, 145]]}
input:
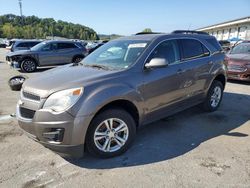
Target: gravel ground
{"points": [[189, 149]]}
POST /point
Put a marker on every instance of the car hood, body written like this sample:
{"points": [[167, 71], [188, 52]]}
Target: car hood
{"points": [[244, 57], [20, 52], [65, 77]]}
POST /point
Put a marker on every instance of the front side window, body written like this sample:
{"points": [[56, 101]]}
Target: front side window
{"points": [[39, 46], [193, 49], [118, 54], [47, 47], [168, 50]]}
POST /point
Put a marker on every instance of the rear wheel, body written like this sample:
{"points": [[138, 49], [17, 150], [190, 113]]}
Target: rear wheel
{"points": [[214, 97], [111, 133], [28, 65]]}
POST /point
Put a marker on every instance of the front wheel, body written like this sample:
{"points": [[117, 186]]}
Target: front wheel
{"points": [[110, 133], [214, 97], [28, 65]]}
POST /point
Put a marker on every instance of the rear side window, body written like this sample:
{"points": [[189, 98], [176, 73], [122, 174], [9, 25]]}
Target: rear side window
{"points": [[66, 45], [168, 50], [214, 44], [193, 49]]}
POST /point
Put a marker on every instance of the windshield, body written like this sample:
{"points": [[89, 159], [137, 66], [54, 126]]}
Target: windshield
{"points": [[118, 54], [243, 48], [38, 46]]}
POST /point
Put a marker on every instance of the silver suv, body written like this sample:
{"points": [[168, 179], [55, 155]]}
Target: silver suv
{"points": [[100, 102], [47, 53]]}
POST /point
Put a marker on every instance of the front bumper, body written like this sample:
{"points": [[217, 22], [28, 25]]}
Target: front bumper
{"points": [[60, 132], [243, 76]]}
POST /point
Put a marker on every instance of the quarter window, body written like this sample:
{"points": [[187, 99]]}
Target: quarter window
{"points": [[168, 50]]}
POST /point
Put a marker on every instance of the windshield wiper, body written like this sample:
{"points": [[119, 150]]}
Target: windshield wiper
{"points": [[97, 66]]}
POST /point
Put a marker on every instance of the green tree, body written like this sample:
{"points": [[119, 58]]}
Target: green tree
{"points": [[147, 30], [12, 26]]}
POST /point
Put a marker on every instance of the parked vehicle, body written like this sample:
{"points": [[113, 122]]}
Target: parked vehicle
{"points": [[238, 60], [23, 44], [101, 101], [9, 43], [2, 43], [90, 50], [47, 53], [225, 44]]}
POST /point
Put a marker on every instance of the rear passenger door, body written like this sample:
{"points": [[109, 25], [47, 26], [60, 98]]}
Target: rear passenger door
{"points": [[196, 65], [66, 52]]}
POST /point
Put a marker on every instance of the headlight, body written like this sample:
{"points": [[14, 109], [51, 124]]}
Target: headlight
{"points": [[62, 100]]}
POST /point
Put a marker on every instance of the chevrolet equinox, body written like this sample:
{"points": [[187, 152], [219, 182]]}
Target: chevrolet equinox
{"points": [[98, 103]]}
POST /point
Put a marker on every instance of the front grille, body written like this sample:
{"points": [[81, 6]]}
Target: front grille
{"points": [[27, 113], [31, 96], [236, 68]]}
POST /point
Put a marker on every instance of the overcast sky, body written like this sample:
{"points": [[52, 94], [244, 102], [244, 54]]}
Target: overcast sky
{"points": [[130, 16]]}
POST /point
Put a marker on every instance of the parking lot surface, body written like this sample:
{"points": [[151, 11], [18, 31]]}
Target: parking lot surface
{"points": [[189, 149]]}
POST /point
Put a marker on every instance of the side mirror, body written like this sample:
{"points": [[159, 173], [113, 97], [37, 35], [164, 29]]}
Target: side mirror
{"points": [[156, 63]]}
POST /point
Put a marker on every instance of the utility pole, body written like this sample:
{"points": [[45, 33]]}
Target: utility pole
{"points": [[21, 10], [20, 6]]}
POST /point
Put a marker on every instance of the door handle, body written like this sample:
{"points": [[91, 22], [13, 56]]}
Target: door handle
{"points": [[210, 62], [180, 71]]}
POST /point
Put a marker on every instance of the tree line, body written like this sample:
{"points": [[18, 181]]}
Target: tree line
{"points": [[29, 27]]}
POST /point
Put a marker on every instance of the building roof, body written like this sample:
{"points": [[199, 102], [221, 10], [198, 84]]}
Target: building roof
{"points": [[227, 23]]}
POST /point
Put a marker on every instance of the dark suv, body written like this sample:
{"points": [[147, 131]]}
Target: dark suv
{"points": [[23, 44], [47, 53], [101, 101]]}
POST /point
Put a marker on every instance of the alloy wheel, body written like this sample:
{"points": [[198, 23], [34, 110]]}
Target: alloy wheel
{"points": [[29, 66], [111, 134], [215, 97]]}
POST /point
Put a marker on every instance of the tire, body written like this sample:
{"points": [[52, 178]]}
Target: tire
{"points": [[77, 59], [214, 97], [16, 82], [28, 65], [96, 143]]}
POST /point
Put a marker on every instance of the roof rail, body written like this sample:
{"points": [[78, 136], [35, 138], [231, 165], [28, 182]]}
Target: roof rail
{"points": [[146, 33], [189, 32]]}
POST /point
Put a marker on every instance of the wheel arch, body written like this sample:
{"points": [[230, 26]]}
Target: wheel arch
{"points": [[29, 57], [124, 104], [77, 55], [221, 78]]}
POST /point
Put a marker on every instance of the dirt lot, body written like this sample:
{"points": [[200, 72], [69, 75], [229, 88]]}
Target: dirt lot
{"points": [[190, 149]]}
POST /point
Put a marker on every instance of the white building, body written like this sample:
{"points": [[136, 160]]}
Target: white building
{"points": [[239, 28]]}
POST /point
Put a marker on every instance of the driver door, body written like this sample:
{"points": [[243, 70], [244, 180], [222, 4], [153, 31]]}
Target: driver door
{"points": [[162, 85]]}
